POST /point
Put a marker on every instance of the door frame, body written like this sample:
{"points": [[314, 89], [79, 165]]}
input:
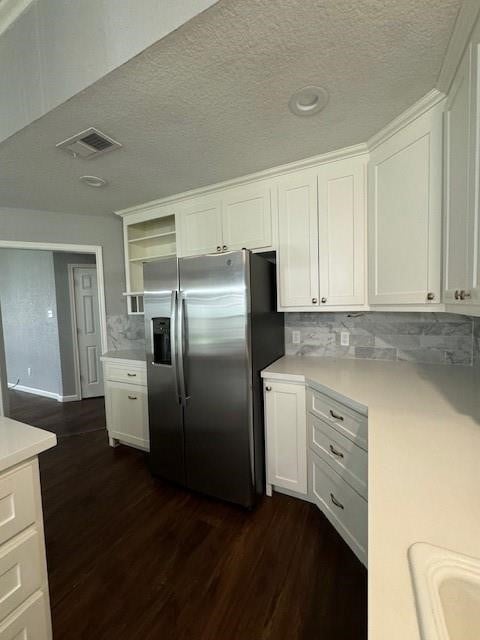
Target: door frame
{"points": [[73, 318], [96, 250]]}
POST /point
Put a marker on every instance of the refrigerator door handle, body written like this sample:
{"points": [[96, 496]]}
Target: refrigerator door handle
{"points": [[173, 342], [181, 348]]}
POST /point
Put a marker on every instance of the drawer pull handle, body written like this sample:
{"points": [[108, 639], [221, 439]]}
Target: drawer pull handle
{"points": [[336, 502], [132, 375], [339, 454], [335, 415], [132, 397]]}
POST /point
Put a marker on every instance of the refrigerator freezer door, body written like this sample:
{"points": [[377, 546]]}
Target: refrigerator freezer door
{"points": [[214, 292], [164, 408]]}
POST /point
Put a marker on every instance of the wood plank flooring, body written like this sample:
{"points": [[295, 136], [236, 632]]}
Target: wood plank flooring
{"points": [[133, 558]]}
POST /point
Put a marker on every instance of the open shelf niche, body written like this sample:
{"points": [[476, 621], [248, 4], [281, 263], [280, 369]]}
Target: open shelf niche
{"points": [[146, 241]]}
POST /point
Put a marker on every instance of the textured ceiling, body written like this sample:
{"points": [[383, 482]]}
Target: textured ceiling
{"points": [[209, 102]]}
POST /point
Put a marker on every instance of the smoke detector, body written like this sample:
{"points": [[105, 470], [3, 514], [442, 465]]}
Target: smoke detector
{"points": [[89, 144]]}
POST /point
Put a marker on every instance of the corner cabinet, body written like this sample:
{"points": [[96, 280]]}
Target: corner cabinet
{"points": [[228, 220], [321, 237], [285, 436], [405, 214], [462, 183]]}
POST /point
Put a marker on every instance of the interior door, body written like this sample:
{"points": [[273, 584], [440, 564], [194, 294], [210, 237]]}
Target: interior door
{"points": [[214, 322], [88, 331]]}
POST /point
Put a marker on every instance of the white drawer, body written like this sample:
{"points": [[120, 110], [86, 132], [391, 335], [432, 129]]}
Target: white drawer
{"points": [[348, 460], [17, 501], [20, 570], [134, 374], [344, 507], [29, 622], [352, 424]]}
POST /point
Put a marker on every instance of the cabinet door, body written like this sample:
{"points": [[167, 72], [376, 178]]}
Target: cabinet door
{"points": [[457, 161], [247, 217], [127, 413], [297, 260], [200, 226], [286, 435], [405, 196], [341, 211]]}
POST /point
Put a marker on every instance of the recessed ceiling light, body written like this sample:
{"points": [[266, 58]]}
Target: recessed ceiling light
{"points": [[93, 181], [308, 101]]}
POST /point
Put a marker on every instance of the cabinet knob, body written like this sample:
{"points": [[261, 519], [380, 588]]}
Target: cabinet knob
{"points": [[268, 388], [314, 301], [457, 295], [323, 300], [430, 296], [224, 247], [465, 294], [219, 248]]}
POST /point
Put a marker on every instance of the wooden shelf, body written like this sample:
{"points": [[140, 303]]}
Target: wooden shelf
{"points": [[152, 236], [150, 258]]}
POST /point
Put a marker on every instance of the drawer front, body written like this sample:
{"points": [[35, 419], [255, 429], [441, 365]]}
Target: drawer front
{"points": [[127, 414], [348, 460], [350, 423], [121, 373], [17, 501], [20, 570], [29, 622], [346, 510]]}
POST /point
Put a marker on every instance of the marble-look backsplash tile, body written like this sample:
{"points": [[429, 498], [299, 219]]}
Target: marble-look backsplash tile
{"points": [[125, 332], [435, 338]]}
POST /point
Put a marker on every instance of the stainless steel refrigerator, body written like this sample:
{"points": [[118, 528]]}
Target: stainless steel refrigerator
{"points": [[211, 326]]}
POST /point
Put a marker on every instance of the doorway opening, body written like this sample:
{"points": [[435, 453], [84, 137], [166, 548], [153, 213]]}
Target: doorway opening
{"points": [[52, 305]]}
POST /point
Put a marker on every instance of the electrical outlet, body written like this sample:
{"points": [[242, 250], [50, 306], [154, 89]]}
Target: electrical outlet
{"points": [[29, 371], [49, 313], [296, 337], [344, 338]]}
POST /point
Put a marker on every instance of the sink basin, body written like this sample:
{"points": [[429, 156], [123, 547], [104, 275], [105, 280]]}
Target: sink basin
{"points": [[447, 592]]}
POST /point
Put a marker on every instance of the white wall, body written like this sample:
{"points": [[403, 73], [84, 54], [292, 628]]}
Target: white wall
{"points": [[57, 48]]}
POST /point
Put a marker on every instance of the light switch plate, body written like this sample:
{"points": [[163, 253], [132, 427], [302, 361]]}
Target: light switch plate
{"points": [[296, 337], [344, 338]]}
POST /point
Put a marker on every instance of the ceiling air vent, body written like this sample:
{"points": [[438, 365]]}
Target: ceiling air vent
{"points": [[89, 144]]}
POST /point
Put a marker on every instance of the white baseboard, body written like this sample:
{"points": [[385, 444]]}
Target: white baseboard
{"points": [[42, 392]]}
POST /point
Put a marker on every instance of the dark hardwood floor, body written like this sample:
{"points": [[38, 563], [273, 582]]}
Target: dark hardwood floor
{"points": [[132, 558]]}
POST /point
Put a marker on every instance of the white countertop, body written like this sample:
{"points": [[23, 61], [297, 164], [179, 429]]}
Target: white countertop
{"points": [[424, 467], [19, 442], [135, 356]]}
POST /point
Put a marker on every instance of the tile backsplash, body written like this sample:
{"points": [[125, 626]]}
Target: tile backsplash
{"points": [[436, 338], [125, 332]]}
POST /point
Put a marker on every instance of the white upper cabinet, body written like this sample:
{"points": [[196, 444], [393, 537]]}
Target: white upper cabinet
{"points": [[230, 219], [405, 208], [247, 217], [200, 226], [297, 260], [461, 259], [341, 207], [321, 229]]}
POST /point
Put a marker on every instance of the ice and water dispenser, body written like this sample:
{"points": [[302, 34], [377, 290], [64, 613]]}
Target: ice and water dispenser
{"points": [[162, 351]]}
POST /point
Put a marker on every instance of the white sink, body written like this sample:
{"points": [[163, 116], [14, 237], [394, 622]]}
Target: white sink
{"points": [[447, 592]]}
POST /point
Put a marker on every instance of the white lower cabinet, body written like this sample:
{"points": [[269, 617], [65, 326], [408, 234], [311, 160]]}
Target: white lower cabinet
{"points": [[316, 448], [24, 601], [126, 403], [286, 436]]}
